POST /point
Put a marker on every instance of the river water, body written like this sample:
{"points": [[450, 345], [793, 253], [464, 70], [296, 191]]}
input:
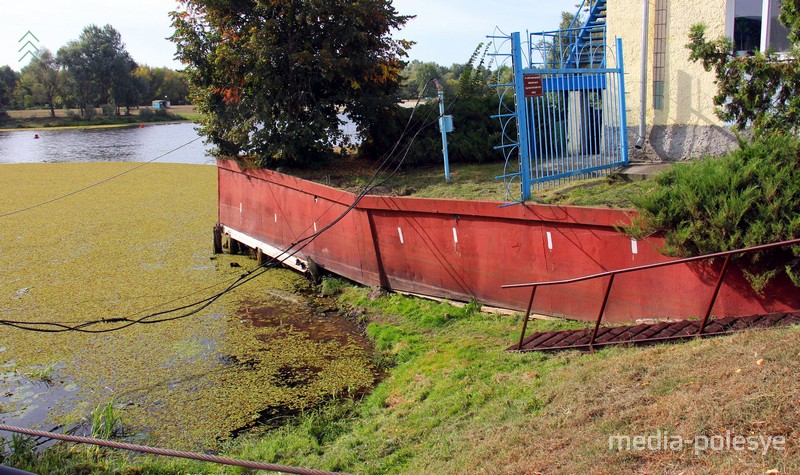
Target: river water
{"points": [[173, 142], [270, 350]]}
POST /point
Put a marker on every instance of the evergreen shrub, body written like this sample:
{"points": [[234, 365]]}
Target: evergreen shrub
{"points": [[747, 198]]}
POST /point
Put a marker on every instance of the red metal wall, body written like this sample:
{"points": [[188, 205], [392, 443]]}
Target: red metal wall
{"points": [[463, 249]]}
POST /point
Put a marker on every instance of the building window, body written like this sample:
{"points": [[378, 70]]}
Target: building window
{"points": [[750, 31]]}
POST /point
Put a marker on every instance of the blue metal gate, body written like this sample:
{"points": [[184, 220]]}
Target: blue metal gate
{"points": [[563, 112]]}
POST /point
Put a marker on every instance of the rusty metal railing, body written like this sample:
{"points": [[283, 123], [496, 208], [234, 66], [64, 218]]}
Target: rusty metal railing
{"points": [[613, 273]]}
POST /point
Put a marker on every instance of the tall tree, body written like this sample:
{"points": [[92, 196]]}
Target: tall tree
{"points": [[8, 82], [47, 79], [163, 83], [272, 77], [100, 66]]}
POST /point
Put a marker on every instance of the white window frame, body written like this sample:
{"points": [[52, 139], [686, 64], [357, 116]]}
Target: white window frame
{"points": [[766, 25]]}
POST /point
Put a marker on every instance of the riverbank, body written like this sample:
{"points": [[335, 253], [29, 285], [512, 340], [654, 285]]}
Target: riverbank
{"points": [[454, 402], [36, 119], [138, 244]]}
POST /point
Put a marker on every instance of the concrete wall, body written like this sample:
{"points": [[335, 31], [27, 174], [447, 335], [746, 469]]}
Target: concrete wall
{"points": [[687, 125]]}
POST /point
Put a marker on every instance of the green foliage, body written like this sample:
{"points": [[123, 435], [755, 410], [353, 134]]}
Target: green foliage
{"points": [[8, 80], [472, 141], [746, 198], [109, 110], [106, 421], [100, 67], [417, 76], [271, 78], [474, 79], [44, 374], [19, 451], [331, 286], [755, 90], [160, 83]]}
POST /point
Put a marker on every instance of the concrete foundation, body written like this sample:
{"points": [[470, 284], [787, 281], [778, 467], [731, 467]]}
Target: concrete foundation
{"points": [[675, 143]]}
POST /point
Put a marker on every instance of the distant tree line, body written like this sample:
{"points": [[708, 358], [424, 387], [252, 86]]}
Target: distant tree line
{"points": [[93, 71]]}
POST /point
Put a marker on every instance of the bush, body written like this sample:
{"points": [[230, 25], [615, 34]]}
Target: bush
{"points": [[473, 140], [746, 198], [109, 110]]}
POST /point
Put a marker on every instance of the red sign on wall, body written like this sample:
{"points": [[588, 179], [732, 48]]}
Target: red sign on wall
{"points": [[533, 85]]}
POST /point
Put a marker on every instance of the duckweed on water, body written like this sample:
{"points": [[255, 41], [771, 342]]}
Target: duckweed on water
{"points": [[127, 247]]}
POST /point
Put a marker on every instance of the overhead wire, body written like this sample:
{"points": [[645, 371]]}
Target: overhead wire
{"points": [[199, 305], [98, 183]]}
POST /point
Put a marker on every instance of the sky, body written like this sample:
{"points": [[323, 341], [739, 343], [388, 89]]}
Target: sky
{"points": [[446, 31]]}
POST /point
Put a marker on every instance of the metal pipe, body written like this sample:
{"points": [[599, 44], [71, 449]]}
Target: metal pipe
{"points": [[527, 317], [643, 102], [443, 129], [602, 310], [715, 294], [626, 270]]}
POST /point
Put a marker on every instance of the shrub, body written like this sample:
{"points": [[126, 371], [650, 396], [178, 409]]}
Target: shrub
{"points": [[109, 110], [473, 140], [746, 198]]}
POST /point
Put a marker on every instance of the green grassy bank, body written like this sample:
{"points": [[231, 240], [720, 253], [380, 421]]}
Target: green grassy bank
{"points": [[453, 401], [450, 399], [471, 182]]}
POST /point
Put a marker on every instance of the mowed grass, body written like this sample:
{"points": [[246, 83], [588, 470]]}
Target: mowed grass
{"points": [[137, 244]]}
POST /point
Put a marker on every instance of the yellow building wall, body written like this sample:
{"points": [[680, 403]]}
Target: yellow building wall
{"points": [[688, 88]]}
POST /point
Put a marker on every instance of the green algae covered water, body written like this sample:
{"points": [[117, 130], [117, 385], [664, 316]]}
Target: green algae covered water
{"points": [[142, 243]]}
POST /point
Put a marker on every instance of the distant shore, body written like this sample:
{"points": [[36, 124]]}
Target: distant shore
{"points": [[36, 119]]}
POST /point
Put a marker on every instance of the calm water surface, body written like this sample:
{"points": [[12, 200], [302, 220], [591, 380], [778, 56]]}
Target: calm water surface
{"points": [[125, 144]]}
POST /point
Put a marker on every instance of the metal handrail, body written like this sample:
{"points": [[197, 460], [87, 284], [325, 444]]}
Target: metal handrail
{"points": [[612, 273]]}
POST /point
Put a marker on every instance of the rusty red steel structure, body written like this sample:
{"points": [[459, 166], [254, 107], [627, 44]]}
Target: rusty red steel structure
{"points": [[462, 250], [647, 333], [613, 273]]}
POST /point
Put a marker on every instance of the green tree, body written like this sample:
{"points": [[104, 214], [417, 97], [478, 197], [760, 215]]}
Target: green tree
{"points": [[100, 67], [163, 82], [417, 75], [8, 82], [271, 78], [46, 78], [755, 90]]}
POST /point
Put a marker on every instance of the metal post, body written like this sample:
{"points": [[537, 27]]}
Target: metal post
{"points": [[602, 310], [714, 296], [443, 128], [527, 316], [522, 117], [624, 113]]}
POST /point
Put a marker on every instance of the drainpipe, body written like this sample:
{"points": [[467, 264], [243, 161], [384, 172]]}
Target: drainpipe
{"points": [[643, 104]]}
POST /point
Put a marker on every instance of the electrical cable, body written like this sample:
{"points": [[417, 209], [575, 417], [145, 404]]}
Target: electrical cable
{"points": [[55, 327]]}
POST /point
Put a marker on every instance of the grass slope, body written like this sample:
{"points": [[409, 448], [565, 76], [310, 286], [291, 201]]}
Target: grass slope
{"points": [[451, 400], [456, 403]]}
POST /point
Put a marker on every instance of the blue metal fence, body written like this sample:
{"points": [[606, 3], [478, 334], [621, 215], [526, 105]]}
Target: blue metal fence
{"points": [[563, 114]]}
